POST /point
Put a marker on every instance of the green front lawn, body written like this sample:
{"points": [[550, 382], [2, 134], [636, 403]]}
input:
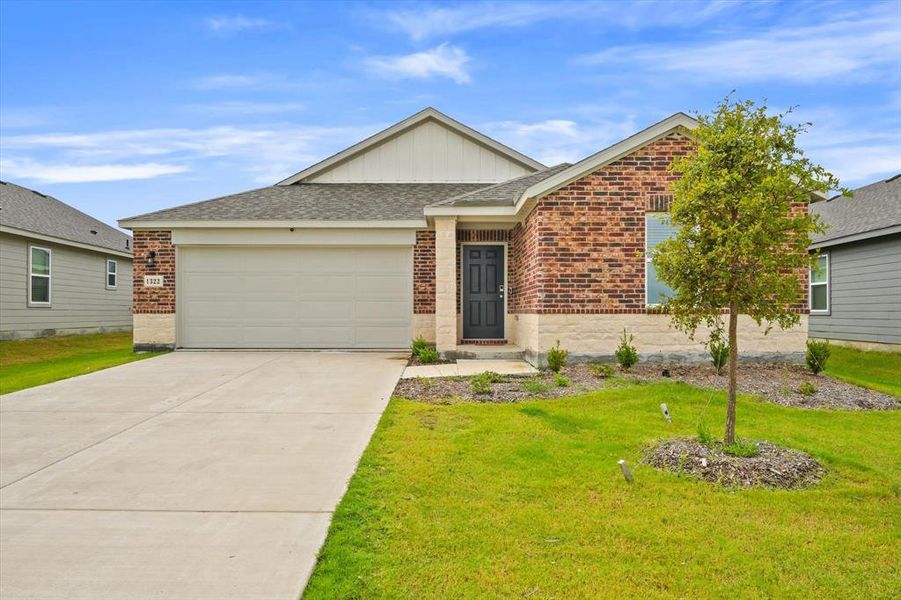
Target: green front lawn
{"points": [[527, 500], [27, 363], [880, 371]]}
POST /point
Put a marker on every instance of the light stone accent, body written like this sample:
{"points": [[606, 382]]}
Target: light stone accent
{"points": [[424, 325], [522, 330], [601, 333], [859, 345], [154, 329], [445, 283]]}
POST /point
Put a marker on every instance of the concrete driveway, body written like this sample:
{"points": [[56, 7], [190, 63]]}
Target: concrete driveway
{"points": [[191, 475]]}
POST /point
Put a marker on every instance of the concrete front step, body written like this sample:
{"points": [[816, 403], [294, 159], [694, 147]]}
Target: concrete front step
{"points": [[482, 352]]}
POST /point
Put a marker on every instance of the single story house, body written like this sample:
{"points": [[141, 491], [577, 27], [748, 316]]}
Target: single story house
{"points": [[429, 228], [855, 294], [61, 271]]}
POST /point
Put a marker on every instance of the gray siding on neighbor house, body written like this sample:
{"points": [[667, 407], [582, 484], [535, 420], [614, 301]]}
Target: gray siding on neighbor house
{"points": [[865, 293], [80, 301]]}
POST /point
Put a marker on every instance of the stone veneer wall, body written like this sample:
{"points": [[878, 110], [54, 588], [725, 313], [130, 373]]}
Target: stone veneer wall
{"points": [[153, 308]]}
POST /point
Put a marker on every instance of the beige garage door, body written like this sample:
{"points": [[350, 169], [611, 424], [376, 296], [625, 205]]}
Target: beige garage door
{"points": [[297, 297]]}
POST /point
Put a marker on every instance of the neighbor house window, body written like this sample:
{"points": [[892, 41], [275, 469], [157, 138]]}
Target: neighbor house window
{"points": [[39, 276], [657, 229], [111, 274], [819, 284]]}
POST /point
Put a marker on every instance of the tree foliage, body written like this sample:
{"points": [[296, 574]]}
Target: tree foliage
{"points": [[742, 227]]}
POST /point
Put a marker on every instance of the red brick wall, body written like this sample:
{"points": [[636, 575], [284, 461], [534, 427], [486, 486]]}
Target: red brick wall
{"points": [[424, 273], [160, 300], [581, 249]]}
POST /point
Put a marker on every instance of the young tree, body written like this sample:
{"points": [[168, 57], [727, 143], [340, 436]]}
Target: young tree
{"points": [[742, 226]]}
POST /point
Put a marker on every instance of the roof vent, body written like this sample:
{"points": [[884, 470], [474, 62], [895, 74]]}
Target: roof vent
{"points": [[126, 243], [893, 178], [94, 231]]}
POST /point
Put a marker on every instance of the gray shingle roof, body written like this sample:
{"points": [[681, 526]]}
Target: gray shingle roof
{"points": [[874, 207], [501, 194], [22, 208], [317, 202]]}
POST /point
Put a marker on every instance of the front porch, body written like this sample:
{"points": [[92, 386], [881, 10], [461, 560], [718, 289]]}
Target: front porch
{"points": [[474, 279]]}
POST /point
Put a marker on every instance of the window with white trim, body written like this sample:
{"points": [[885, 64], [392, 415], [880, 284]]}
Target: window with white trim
{"points": [[819, 285], [112, 274], [657, 229], [39, 276]]}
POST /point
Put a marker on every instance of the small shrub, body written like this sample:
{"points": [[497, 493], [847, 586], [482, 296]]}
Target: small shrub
{"points": [[418, 345], [556, 358], [426, 382], [741, 449], [719, 355], [534, 385], [492, 376], [704, 436], [807, 389], [481, 383], [560, 380], [817, 354], [626, 354], [427, 355], [602, 371]]}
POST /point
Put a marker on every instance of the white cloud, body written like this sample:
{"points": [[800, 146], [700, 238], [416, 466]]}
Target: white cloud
{"points": [[268, 153], [236, 23], [554, 141], [228, 108], [847, 47], [15, 169], [442, 61], [434, 21]]}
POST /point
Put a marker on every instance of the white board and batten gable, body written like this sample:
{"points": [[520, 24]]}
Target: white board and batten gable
{"points": [[428, 147]]}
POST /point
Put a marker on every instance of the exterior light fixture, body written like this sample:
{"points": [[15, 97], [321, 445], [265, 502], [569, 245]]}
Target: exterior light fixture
{"points": [[151, 259]]}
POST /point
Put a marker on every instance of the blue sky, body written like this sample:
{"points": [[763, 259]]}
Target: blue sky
{"points": [[122, 108]]}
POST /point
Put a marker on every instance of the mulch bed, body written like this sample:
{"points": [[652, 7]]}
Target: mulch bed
{"points": [[777, 383], [773, 382], [774, 466], [446, 390]]}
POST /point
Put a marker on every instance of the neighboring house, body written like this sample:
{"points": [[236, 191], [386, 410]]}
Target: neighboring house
{"points": [[428, 228], [61, 271], [855, 294]]}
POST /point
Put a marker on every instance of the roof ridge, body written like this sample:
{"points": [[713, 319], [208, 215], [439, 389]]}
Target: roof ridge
{"points": [[501, 183]]}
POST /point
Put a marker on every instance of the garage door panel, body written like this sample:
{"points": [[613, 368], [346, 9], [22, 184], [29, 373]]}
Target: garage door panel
{"points": [[383, 286], [382, 260], [326, 337], [367, 310], [320, 284], [372, 337], [329, 311], [295, 297]]}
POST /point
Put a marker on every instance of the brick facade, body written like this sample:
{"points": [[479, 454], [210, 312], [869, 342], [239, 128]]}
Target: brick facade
{"points": [[154, 300], [424, 273], [581, 249]]}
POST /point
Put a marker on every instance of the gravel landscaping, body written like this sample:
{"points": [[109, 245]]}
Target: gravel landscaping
{"points": [[780, 384], [773, 466]]}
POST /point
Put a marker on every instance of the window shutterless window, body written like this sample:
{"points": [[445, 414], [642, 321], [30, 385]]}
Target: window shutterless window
{"points": [[39, 276], [112, 274], [819, 285], [657, 229]]}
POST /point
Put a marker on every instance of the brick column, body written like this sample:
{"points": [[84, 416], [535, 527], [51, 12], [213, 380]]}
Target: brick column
{"points": [[445, 283]]}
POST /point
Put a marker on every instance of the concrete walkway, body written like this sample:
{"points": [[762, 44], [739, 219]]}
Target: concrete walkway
{"points": [[467, 367], [191, 475]]}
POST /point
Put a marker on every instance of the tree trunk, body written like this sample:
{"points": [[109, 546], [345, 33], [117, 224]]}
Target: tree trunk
{"points": [[733, 366]]}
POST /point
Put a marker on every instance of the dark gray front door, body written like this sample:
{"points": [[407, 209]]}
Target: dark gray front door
{"points": [[483, 292]]}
